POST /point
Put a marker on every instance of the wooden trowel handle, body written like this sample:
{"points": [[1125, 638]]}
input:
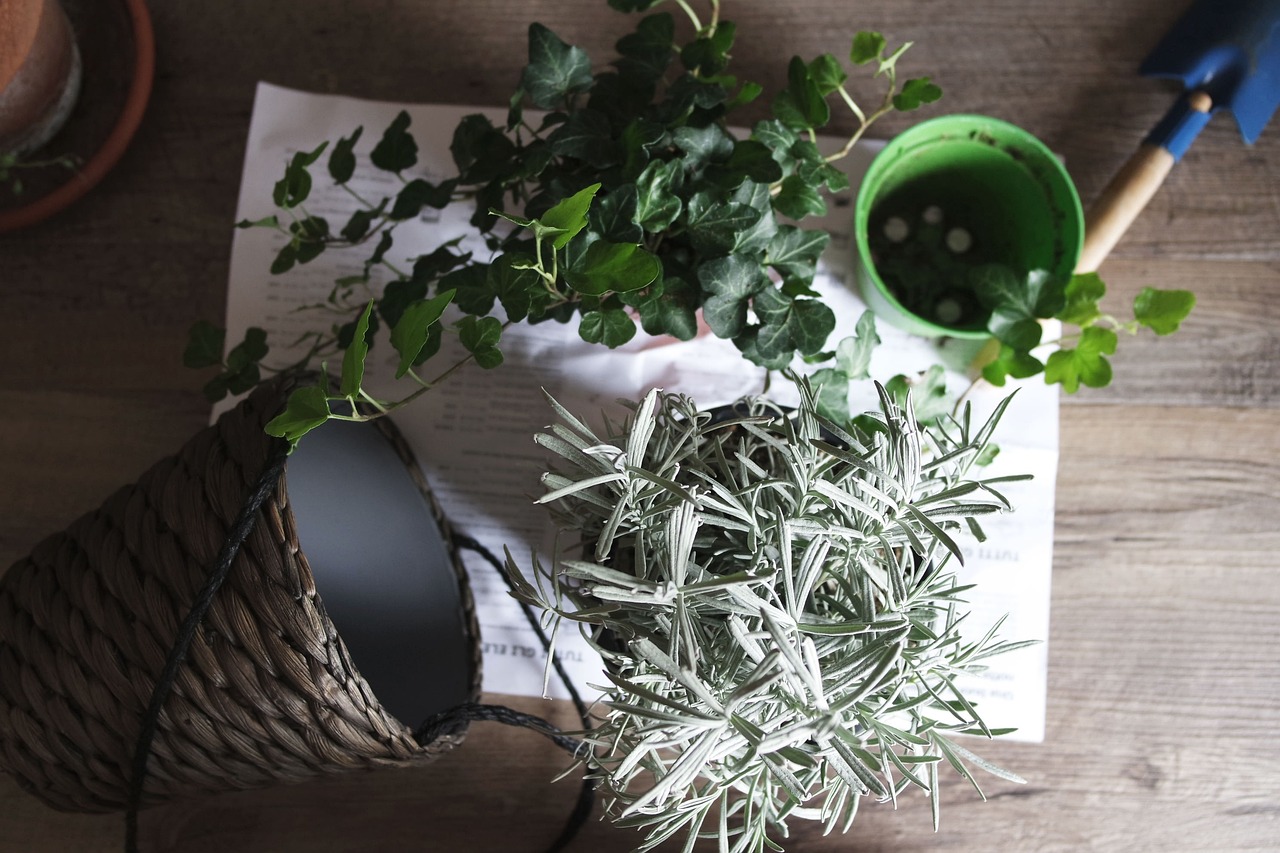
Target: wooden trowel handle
{"points": [[1127, 195]]}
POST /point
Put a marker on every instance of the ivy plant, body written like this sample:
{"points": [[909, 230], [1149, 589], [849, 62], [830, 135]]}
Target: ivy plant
{"points": [[614, 198], [1019, 306]]}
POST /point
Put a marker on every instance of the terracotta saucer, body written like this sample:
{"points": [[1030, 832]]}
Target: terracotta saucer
{"points": [[117, 47]]}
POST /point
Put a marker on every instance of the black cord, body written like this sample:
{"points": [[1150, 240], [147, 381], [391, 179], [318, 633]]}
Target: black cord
{"points": [[177, 655], [587, 793]]}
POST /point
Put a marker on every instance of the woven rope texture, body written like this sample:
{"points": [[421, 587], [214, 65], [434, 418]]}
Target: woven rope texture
{"points": [[268, 693]]}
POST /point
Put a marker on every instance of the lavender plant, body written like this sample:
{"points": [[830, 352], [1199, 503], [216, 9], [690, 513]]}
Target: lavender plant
{"points": [[771, 594]]}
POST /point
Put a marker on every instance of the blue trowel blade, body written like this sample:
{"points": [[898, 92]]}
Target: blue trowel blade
{"points": [[1229, 49]]}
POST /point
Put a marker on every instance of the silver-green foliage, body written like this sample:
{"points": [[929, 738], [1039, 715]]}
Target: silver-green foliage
{"points": [[771, 597]]}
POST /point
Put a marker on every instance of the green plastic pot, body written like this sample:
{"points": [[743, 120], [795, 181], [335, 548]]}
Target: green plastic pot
{"points": [[997, 182]]}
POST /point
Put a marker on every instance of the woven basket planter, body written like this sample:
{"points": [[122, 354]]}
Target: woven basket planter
{"points": [[268, 693]]}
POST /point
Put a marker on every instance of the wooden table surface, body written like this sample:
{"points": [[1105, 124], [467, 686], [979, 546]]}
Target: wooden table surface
{"points": [[1164, 679]]}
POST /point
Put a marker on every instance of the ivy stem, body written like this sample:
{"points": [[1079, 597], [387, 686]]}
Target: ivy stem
{"points": [[356, 195], [693, 16]]}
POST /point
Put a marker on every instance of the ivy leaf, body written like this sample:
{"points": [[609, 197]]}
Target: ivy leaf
{"points": [[1011, 362], [1083, 292], [667, 309], [648, 50], [801, 105], [794, 253], [867, 46], [798, 199], [927, 390], [658, 201], [702, 145], [360, 222], [248, 352], [397, 296], [410, 334], [787, 324], [827, 73], [353, 359], [480, 336], [293, 189], [1085, 364], [916, 91], [587, 136], [555, 69], [306, 409], [853, 354], [342, 161], [418, 194], [471, 284], [1017, 305], [205, 342], [1162, 311], [513, 281], [750, 160], [714, 226], [614, 216], [612, 327], [731, 281], [569, 216], [397, 150], [707, 56], [284, 259], [613, 267]]}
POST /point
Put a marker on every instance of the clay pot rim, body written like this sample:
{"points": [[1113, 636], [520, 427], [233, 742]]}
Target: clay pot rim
{"points": [[98, 164]]}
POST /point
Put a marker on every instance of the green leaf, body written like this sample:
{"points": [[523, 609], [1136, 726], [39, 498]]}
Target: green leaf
{"points": [[797, 199], [294, 188], [750, 159], [1083, 293], [306, 409], [569, 216], [1085, 364], [867, 46], [613, 267], [410, 334], [831, 394], [707, 56], [794, 253], [418, 194], [248, 352], [285, 259], [353, 359], [1017, 305], [917, 91], [787, 324], [647, 52], [342, 161], [658, 200], [801, 105], [853, 354], [587, 136], [827, 72], [480, 337], [613, 327], [397, 150], [614, 216], [512, 279], [360, 222], [928, 393], [205, 342], [1162, 311], [731, 281], [714, 226], [555, 69], [1011, 362], [702, 145], [481, 152], [271, 221]]}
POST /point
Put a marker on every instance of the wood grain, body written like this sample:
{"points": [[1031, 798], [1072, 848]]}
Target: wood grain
{"points": [[1164, 690]]}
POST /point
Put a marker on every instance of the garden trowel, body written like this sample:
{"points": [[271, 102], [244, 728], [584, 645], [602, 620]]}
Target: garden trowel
{"points": [[1227, 54]]}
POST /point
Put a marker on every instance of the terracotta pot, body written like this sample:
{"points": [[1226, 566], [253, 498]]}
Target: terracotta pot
{"points": [[39, 73]]}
